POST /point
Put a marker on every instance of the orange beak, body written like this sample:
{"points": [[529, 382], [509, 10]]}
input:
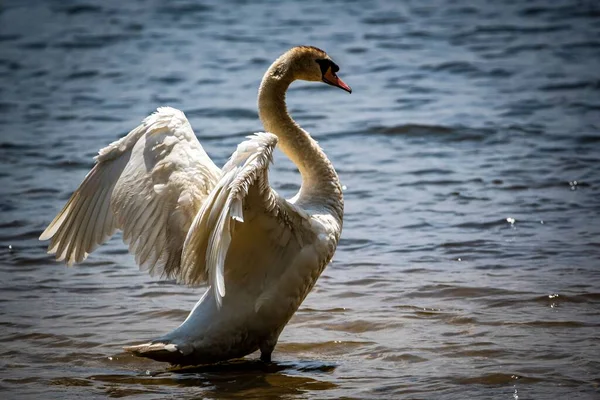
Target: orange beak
{"points": [[332, 79]]}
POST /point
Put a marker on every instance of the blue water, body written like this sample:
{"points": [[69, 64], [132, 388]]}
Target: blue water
{"points": [[469, 150]]}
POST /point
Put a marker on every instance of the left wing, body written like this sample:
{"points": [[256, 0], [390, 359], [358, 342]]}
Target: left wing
{"points": [[245, 224]]}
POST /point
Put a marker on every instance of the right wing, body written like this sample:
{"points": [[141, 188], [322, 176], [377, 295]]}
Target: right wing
{"points": [[150, 183]]}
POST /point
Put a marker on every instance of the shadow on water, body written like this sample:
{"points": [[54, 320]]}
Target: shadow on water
{"points": [[234, 379]]}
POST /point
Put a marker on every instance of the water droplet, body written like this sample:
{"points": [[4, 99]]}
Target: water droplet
{"points": [[573, 185]]}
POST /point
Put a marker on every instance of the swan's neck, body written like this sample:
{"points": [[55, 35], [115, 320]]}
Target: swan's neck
{"points": [[320, 182]]}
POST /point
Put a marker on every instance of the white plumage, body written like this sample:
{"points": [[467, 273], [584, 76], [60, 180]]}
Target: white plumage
{"points": [[150, 184]]}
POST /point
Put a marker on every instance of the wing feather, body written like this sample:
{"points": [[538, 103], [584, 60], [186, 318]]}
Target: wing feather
{"points": [[89, 243], [76, 249], [152, 236], [105, 228], [138, 224], [150, 184], [65, 249]]}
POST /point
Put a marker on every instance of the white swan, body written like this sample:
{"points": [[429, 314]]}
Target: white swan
{"points": [[184, 218]]}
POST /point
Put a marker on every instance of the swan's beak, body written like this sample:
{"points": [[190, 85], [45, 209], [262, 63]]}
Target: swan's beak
{"points": [[332, 79]]}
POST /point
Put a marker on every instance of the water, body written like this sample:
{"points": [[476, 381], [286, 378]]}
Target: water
{"points": [[470, 151]]}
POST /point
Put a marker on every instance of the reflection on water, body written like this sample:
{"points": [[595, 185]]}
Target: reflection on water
{"points": [[469, 153], [237, 379]]}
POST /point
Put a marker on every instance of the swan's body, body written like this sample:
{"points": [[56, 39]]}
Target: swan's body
{"points": [[184, 218]]}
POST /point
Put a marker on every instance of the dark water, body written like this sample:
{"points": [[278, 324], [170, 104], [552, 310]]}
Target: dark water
{"points": [[470, 149]]}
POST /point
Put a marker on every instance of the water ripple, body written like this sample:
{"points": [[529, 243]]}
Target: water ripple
{"points": [[468, 152]]}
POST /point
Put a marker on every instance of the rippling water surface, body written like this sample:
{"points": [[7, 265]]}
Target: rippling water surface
{"points": [[470, 151]]}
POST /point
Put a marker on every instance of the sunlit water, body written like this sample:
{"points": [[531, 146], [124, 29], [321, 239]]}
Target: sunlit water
{"points": [[470, 151]]}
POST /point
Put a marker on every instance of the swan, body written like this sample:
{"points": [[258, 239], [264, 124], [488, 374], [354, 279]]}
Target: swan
{"points": [[185, 219]]}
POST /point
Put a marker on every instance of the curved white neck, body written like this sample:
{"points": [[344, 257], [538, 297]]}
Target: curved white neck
{"points": [[320, 182]]}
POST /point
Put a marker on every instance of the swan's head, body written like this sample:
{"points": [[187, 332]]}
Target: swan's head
{"points": [[312, 64]]}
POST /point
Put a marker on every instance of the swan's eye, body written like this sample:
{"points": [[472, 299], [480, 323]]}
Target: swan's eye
{"points": [[334, 67], [324, 65]]}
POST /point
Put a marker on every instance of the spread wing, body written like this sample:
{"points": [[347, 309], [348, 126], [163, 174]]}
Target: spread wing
{"points": [[244, 225], [150, 184]]}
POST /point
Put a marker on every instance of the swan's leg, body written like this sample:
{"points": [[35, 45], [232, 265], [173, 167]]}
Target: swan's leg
{"points": [[265, 357], [266, 348]]}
